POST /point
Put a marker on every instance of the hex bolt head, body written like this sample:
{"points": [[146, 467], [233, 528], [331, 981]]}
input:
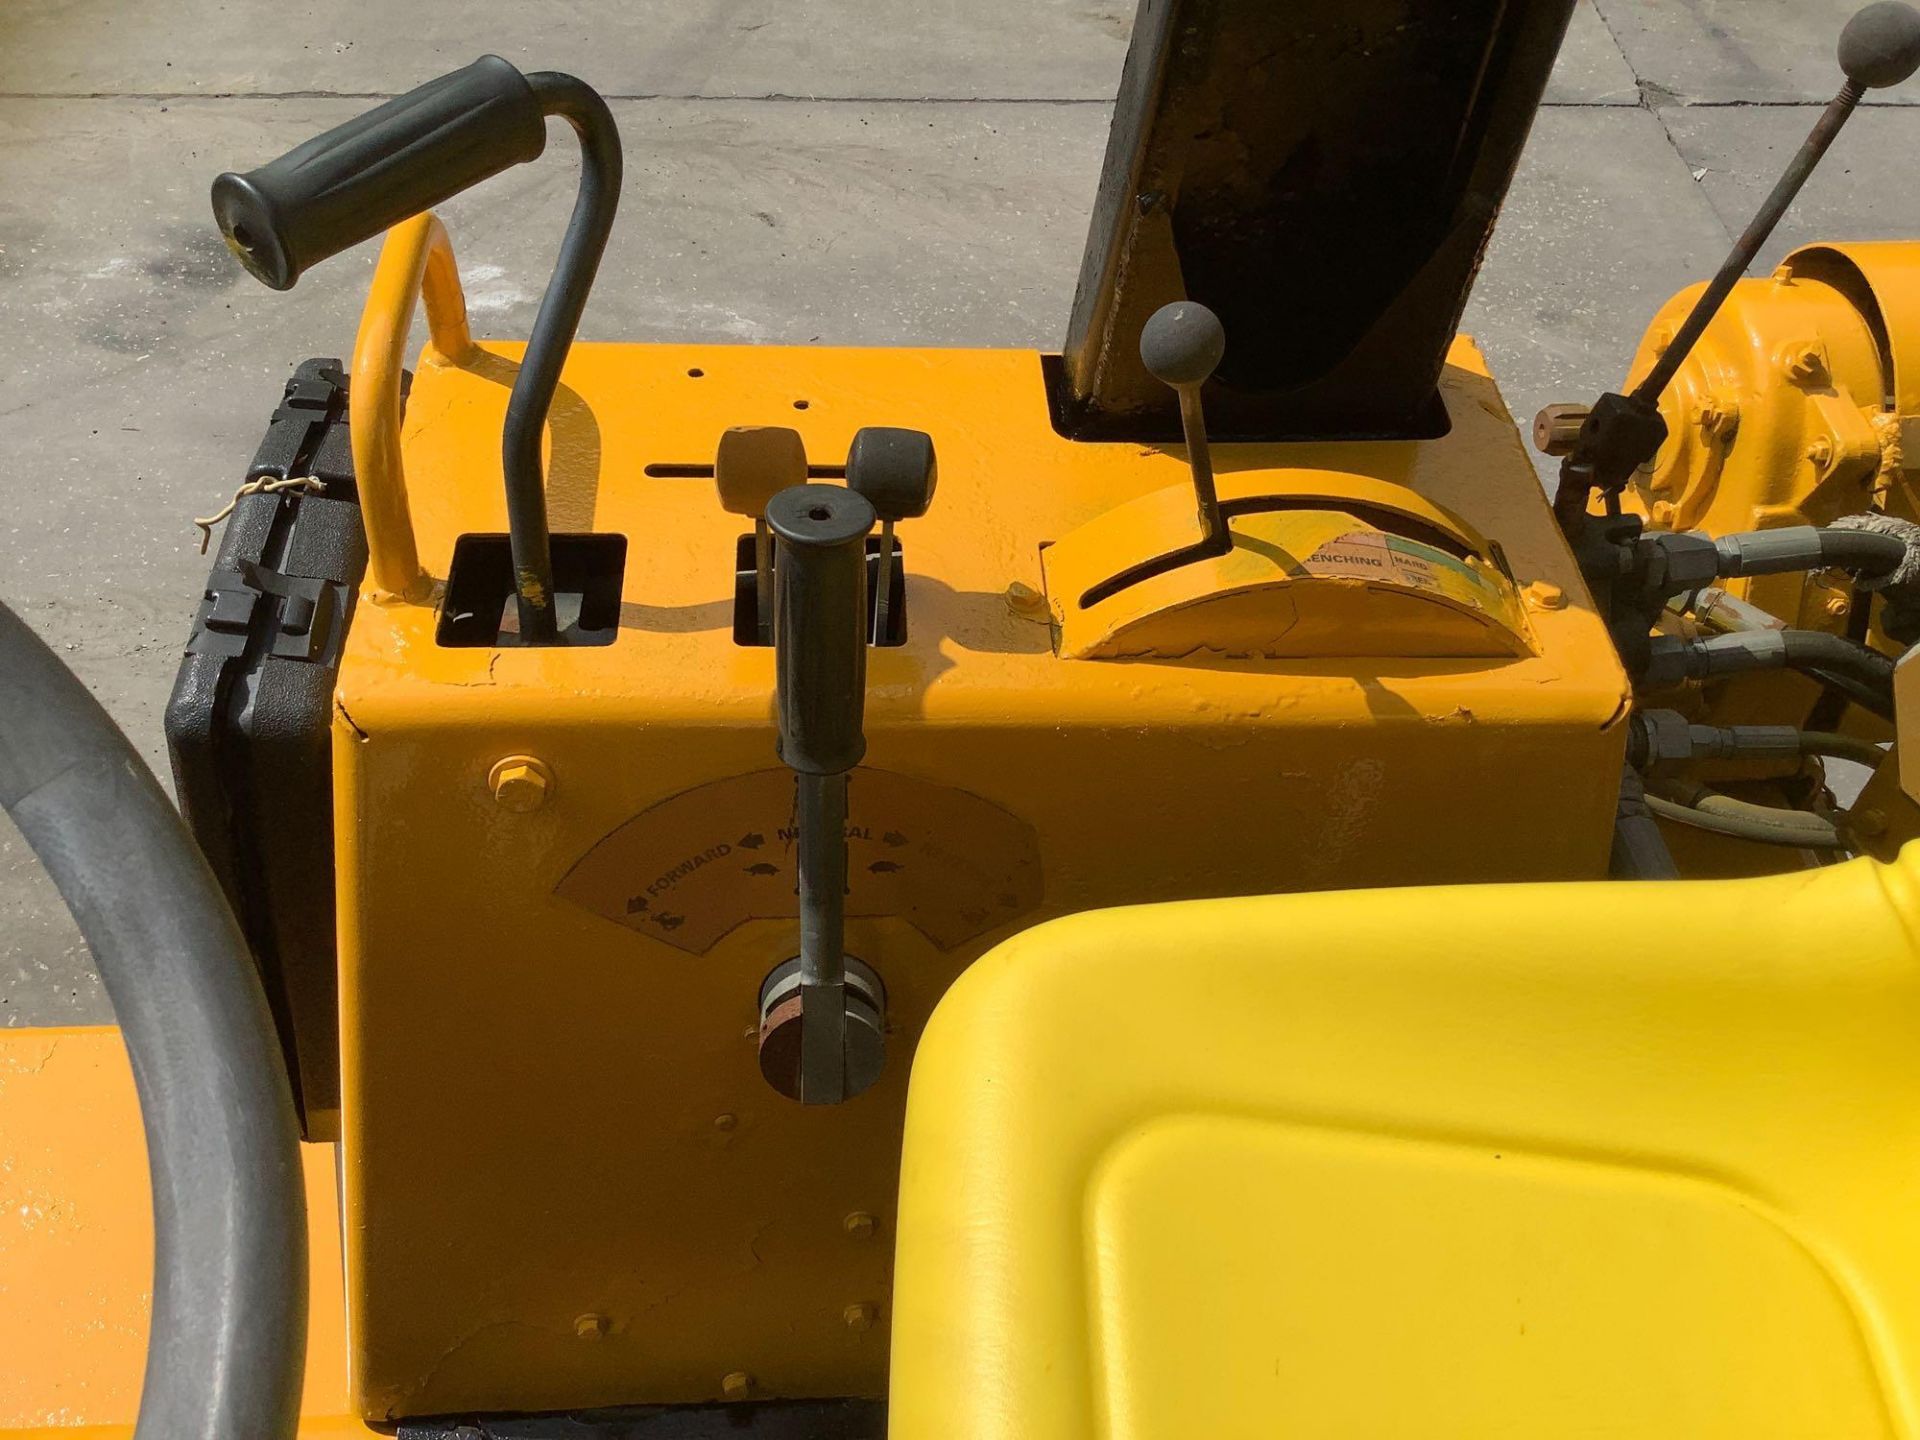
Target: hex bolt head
{"points": [[1880, 45], [1804, 364], [520, 783]]}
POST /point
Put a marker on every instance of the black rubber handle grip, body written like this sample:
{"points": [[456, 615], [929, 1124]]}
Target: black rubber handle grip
{"points": [[378, 169], [820, 625]]}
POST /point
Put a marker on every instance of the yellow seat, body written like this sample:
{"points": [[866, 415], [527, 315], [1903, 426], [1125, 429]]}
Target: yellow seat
{"points": [[1478, 1161]]}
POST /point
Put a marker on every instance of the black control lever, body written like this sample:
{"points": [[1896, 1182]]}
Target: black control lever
{"points": [[407, 156], [896, 471], [822, 1014], [1879, 47], [1181, 345]]}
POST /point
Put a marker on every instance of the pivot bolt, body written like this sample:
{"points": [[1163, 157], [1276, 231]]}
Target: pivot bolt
{"points": [[520, 783]]}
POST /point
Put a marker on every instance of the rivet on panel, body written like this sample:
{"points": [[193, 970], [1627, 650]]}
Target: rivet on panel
{"points": [[725, 1122], [860, 1225], [859, 1316], [520, 783], [737, 1385], [592, 1326]]}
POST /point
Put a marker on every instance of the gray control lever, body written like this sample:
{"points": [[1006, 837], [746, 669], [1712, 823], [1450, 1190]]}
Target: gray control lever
{"points": [[823, 1013]]}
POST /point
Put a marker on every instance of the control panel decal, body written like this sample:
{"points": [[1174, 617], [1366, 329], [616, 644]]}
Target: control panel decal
{"points": [[693, 867]]}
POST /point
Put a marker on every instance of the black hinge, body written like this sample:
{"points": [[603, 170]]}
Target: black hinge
{"points": [[302, 628]]}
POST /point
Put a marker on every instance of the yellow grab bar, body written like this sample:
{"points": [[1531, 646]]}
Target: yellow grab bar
{"points": [[416, 263]]}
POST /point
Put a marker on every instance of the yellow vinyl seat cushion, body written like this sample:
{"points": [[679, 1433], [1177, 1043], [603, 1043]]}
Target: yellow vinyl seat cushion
{"points": [[1498, 1160]]}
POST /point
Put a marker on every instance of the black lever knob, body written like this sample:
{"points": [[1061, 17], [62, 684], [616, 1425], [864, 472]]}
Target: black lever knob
{"points": [[895, 469], [376, 169], [1181, 345], [820, 664]]}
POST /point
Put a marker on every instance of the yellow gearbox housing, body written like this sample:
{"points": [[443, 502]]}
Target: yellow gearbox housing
{"points": [[1797, 406], [564, 872]]}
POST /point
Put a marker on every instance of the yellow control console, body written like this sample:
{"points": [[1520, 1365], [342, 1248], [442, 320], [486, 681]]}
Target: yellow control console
{"points": [[564, 872]]}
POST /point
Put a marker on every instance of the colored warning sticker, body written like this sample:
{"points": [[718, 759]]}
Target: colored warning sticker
{"points": [[693, 867], [1396, 560]]}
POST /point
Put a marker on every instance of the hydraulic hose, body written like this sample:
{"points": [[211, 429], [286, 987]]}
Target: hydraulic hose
{"points": [[1865, 674], [227, 1346], [1765, 824], [1868, 553], [1662, 737]]}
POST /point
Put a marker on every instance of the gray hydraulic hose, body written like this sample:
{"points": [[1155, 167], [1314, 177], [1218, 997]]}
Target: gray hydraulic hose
{"points": [[1810, 547], [1752, 822], [227, 1347]]}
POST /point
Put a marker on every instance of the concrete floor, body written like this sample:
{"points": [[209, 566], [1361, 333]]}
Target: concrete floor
{"points": [[811, 172]]}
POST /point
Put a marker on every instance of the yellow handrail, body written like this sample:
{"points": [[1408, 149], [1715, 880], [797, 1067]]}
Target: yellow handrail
{"points": [[416, 263]]}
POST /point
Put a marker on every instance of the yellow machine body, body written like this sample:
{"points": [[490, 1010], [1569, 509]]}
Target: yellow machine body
{"points": [[1626, 1160], [564, 872]]}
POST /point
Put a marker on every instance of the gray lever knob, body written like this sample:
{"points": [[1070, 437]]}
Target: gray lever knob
{"points": [[1181, 345]]}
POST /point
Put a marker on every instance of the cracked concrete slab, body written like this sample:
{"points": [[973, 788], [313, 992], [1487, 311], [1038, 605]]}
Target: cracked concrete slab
{"points": [[1602, 225], [1591, 69], [1859, 192], [1738, 51]]}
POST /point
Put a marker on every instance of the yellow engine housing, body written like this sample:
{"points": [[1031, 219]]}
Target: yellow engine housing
{"points": [[564, 1179]]}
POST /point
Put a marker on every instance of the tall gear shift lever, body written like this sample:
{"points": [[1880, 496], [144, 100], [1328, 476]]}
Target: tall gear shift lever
{"points": [[1879, 47], [1181, 345], [823, 1013]]}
